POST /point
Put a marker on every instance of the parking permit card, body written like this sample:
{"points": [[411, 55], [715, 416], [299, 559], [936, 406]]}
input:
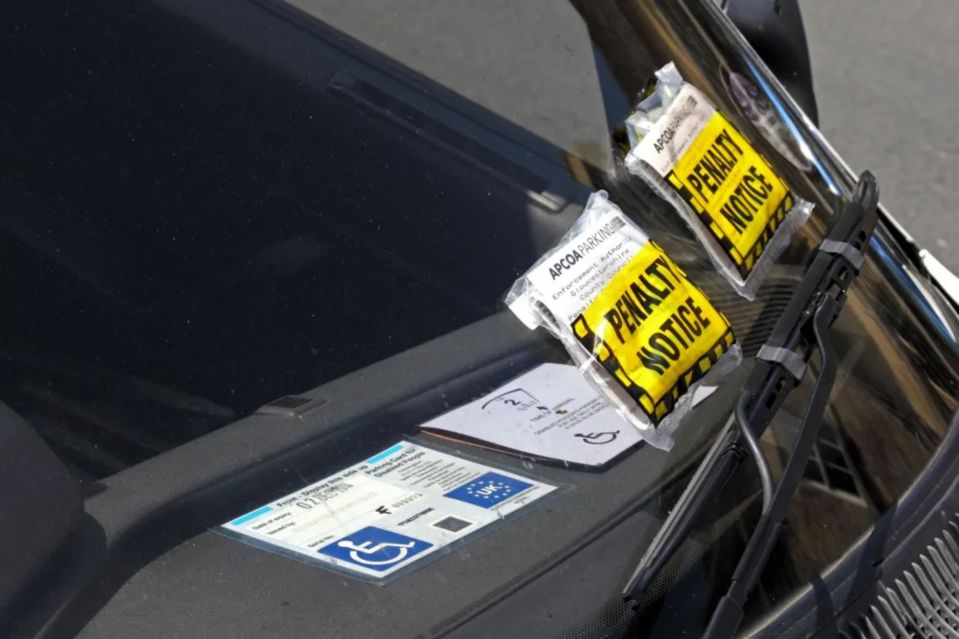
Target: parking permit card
{"points": [[394, 509], [732, 189], [550, 412]]}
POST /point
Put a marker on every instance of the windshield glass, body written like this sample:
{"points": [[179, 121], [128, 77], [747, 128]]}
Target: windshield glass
{"points": [[208, 208]]}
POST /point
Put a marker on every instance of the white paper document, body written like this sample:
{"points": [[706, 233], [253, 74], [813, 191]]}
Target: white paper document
{"points": [[550, 412]]}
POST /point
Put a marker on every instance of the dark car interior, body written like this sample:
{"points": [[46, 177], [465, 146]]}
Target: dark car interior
{"points": [[195, 234]]}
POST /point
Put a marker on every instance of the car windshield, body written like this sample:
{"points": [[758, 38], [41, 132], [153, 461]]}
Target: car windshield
{"points": [[208, 208]]}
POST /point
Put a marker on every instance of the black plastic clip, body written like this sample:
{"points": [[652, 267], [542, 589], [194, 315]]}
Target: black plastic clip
{"points": [[786, 358], [848, 251]]}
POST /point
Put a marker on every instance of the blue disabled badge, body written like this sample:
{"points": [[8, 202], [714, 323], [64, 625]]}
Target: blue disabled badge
{"points": [[488, 490], [375, 548]]}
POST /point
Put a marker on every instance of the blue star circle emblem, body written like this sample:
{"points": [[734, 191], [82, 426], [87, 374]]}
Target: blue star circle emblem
{"points": [[488, 490]]}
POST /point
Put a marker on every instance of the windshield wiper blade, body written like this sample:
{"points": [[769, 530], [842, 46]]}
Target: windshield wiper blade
{"points": [[801, 330]]}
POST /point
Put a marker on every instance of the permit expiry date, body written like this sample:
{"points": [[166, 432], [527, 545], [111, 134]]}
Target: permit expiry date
{"points": [[654, 331]]}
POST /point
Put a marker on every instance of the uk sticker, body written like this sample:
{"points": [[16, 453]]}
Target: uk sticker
{"points": [[733, 190], [385, 514], [488, 490]]}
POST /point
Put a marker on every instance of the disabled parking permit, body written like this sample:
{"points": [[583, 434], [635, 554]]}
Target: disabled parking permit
{"points": [[388, 512]]}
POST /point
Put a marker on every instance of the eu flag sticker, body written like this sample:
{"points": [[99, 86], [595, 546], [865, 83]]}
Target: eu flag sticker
{"points": [[488, 489], [375, 548]]}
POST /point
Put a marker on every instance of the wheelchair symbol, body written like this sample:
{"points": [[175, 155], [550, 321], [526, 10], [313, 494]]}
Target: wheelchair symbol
{"points": [[598, 439], [369, 548], [376, 549]]}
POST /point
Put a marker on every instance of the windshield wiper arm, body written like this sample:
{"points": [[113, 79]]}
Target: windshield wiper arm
{"points": [[802, 329]]}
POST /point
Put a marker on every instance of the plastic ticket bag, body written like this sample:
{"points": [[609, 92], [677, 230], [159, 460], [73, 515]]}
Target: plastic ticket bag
{"points": [[631, 320], [741, 210]]}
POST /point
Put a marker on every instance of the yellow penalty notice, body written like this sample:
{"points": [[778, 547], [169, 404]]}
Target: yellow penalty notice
{"points": [[654, 331], [734, 191]]}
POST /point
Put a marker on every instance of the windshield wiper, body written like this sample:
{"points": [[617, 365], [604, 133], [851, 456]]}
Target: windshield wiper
{"points": [[802, 329]]}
